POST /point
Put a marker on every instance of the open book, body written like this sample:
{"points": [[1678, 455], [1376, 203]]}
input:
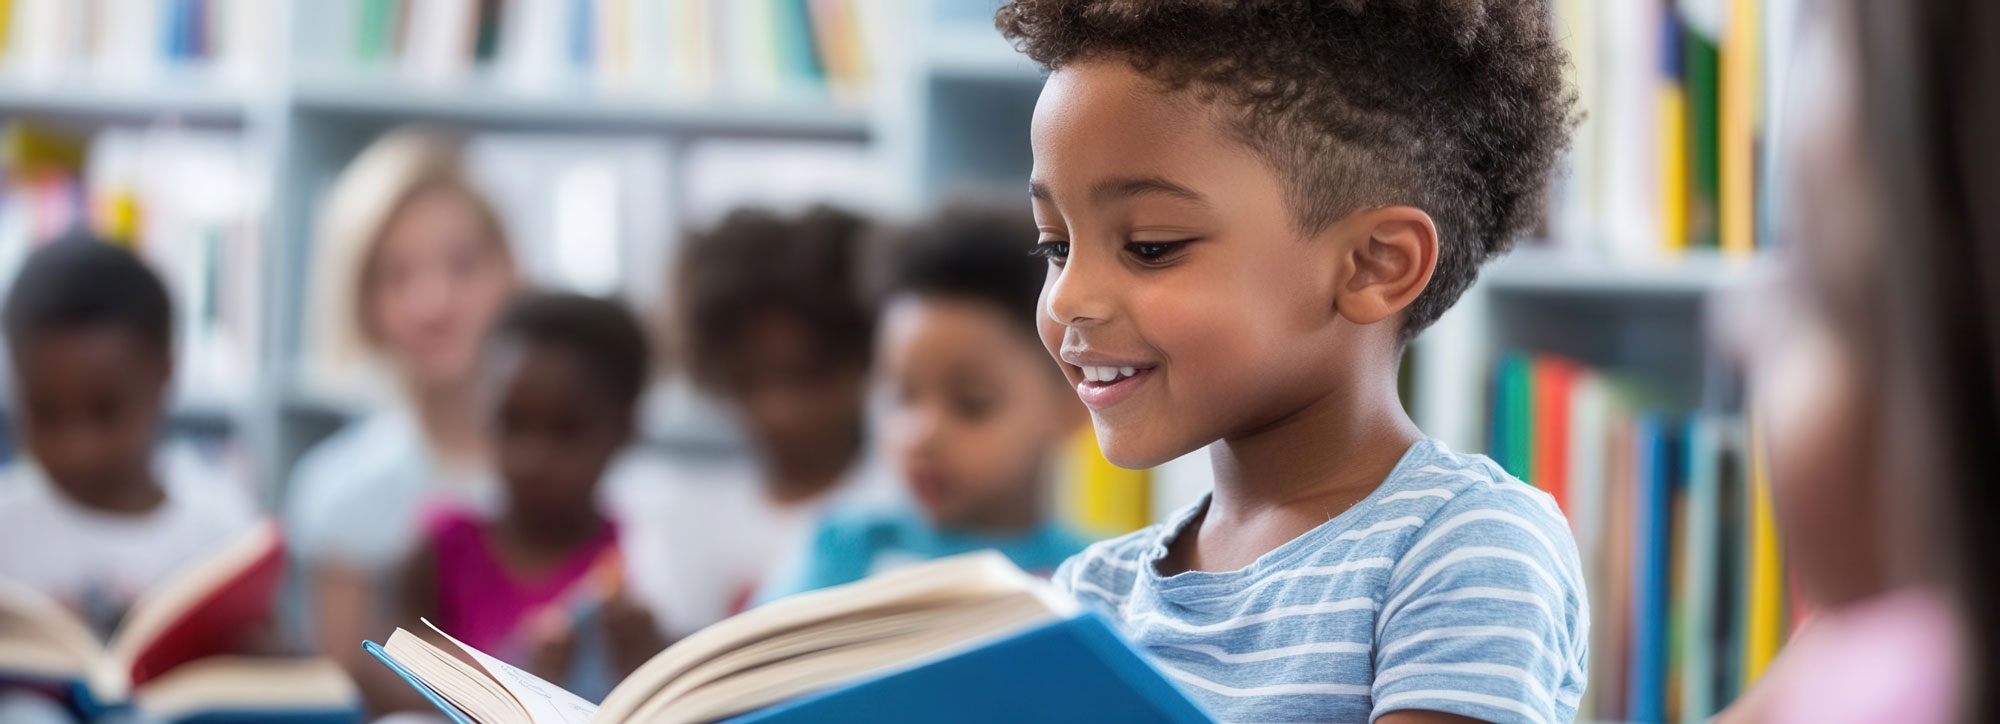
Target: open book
{"points": [[941, 635], [173, 655]]}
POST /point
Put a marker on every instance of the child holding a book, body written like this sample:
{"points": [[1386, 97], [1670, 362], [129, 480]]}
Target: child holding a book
{"points": [[539, 584], [974, 418], [1248, 210], [90, 336], [770, 322]]}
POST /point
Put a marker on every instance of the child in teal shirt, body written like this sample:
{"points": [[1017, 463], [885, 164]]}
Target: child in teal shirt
{"points": [[975, 416]]}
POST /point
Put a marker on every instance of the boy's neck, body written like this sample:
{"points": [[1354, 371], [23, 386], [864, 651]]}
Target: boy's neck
{"points": [[136, 494], [1284, 478]]}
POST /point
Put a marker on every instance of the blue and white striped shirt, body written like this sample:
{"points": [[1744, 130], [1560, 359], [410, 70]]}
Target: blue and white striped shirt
{"points": [[1453, 587]]}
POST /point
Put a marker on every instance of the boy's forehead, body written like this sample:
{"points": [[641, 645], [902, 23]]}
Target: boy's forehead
{"points": [[1104, 117]]}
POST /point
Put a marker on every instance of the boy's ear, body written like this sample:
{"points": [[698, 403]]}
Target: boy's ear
{"points": [[1388, 260]]}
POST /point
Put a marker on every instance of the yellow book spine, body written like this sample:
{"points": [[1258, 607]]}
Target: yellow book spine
{"points": [[1673, 167], [1104, 499], [1741, 67], [1764, 631]]}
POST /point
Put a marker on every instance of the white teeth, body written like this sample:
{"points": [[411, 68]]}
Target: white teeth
{"points": [[1106, 374]]}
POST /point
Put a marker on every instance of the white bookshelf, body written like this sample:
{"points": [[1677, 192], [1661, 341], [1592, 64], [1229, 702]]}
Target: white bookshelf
{"points": [[1542, 270], [487, 107], [84, 99]]}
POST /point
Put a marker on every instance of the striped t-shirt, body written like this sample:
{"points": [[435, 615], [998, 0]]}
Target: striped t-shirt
{"points": [[1453, 587]]}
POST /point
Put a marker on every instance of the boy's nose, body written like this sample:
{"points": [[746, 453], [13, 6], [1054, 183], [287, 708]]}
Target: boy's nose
{"points": [[1079, 296]]}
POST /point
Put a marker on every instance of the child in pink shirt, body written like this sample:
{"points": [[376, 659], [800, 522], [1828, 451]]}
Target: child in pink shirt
{"points": [[539, 584]]}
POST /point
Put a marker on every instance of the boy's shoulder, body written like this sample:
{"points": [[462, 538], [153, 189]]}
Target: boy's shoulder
{"points": [[1439, 485], [1448, 502]]}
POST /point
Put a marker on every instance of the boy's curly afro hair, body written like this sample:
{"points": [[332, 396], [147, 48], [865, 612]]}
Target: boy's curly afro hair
{"points": [[1457, 107]]}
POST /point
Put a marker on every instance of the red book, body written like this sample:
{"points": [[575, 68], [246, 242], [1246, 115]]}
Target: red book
{"points": [[182, 646], [1554, 377]]}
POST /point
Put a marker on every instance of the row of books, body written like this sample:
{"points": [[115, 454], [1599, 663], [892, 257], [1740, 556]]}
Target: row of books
{"points": [[1672, 513], [191, 202], [133, 42], [1677, 97], [654, 47]]}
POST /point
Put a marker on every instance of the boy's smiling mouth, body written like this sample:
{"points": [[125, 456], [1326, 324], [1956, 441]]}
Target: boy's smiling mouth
{"points": [[1106, 381]]}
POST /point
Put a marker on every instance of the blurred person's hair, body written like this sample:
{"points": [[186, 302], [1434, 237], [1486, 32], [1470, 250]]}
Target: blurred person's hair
{"points": [[1930, 110], [974, 252], [602, 333], [757, 262], [1457, 108], [82, 282], [376, 186]]}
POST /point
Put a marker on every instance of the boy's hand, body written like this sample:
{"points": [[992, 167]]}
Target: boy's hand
{"points": [[633, 635]]}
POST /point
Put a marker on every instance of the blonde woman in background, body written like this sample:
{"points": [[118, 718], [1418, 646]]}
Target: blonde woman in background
{"points": [[410, 267]]}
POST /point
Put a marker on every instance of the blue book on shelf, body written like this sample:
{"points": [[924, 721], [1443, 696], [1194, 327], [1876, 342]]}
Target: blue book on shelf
{"points": [[1070, 670], [1652, 514]]}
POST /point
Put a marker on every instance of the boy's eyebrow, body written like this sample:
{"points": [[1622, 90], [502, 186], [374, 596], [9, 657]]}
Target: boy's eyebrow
{"points": [[1116, 189]]}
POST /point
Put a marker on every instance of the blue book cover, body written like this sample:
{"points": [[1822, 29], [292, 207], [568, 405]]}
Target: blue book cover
{"points": [[1071, 670], [1652, 515], [1074, 670]]}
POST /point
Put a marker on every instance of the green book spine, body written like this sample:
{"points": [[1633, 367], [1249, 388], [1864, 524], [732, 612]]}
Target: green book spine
{"points": [[375, 34], [1704, 148]]}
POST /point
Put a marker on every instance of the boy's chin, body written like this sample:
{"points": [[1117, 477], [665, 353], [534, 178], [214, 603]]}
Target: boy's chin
{"points": [[1134, 449]]}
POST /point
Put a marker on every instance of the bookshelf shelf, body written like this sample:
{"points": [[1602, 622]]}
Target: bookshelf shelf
{"points": [[188, 101], [1534, 270], [489, 107]]}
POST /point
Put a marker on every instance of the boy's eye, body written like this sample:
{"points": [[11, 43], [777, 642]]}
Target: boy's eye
{"points": [[1153, 252], [1054, 251]]}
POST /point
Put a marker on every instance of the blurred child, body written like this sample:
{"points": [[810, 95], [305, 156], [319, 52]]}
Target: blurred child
{"points": [[1248, 210], [1875, 367], [90, 336], [975, 418], [560, 385], [773, 325]]}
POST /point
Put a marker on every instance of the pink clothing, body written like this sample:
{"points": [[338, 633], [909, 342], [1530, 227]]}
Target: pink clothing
{"points": [[483, 603], [1892, 658]]}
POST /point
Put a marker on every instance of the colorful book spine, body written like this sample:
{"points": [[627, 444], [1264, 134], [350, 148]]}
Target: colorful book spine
{"points": [[1764, 618], [1742, 95], [1700, 60], [1652, 518], [1699, 552], [1551, 384], [1673, 137]]}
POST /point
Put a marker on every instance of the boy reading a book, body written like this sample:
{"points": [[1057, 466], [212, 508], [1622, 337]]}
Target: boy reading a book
{"points": [[1249, 209], [90, 336], [539, 584], [974, 417]]}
